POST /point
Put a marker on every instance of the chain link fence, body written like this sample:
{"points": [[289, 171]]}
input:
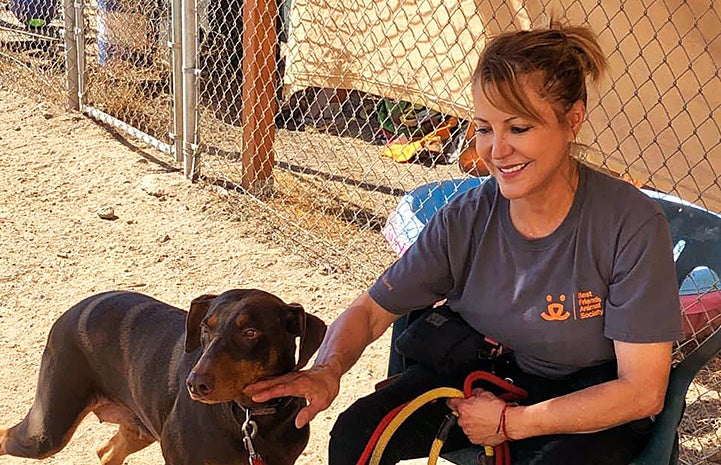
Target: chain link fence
{"points": [[322, 116], [127, 67], [372, 101], [31, 47]]}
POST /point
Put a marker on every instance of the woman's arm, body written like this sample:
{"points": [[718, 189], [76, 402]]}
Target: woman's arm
{"points": [[643, 371], [361, 323]]}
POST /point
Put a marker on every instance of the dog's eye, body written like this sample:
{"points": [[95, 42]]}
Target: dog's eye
{"points": [[251, 333]]}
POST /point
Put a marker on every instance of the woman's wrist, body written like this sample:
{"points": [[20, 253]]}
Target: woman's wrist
{"points": [[331, 366], [512, 426], [502, 428]]}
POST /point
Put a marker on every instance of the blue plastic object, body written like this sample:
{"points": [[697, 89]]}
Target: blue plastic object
{"points": [[702, 280], [417, 207]]}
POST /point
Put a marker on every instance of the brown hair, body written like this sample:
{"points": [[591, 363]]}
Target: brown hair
{"points": [[556, 59]]}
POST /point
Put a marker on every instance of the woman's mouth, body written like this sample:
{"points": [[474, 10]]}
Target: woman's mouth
{"points": [[510, 169]]}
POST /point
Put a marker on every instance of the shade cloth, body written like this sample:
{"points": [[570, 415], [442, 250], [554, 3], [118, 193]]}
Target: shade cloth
{"points": [[653, 118]]}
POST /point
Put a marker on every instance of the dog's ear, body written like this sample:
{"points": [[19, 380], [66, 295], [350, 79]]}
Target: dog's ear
{"points": [[198, 309], [309, 328]]}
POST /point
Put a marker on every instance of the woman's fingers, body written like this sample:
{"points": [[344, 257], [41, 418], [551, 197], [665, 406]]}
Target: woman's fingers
{"points": [[282, 386], [478, 416], [307, 414], [318, 386], [477, 392]]}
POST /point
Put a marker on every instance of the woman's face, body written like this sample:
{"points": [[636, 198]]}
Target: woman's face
{"points": [[528, 158]]}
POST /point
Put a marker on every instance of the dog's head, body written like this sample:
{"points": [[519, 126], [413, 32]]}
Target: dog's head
{"points": [[245, 335]]}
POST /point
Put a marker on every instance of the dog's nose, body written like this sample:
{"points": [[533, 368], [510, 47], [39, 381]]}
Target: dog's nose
{"points": [[200, 384]]}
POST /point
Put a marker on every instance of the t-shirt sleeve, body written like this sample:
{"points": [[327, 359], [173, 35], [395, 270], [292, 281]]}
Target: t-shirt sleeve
{"points": [[421, 276], [643, 304]]}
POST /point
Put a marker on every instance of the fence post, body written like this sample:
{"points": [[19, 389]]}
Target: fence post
{"points": [[176, 51], [71, 55], [80, 48], [190, 95], [258, 94]]}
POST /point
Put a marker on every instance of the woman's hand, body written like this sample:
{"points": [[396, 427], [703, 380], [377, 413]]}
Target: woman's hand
{"points": [[479, 416], [359, 325], [319, 385]]}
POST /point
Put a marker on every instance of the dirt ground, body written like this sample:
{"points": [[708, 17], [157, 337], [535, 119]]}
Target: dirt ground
{"points": [[169, 239]]}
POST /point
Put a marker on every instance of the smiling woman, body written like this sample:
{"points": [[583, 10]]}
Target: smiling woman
{"points": [[529, 97], [570, 269], [530, 160]]}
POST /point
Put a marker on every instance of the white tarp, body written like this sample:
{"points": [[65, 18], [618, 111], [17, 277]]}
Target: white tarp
{"points": [[655, 117]]}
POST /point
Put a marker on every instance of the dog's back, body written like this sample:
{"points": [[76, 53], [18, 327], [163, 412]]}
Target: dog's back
{"points": [[92, 352], [127, 336]]}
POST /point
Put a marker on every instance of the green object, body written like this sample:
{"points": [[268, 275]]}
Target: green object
{"points": [[36, 22], [389, 114], [404, 118]]}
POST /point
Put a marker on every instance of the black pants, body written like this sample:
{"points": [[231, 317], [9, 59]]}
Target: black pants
{"points": [[354, 427]]}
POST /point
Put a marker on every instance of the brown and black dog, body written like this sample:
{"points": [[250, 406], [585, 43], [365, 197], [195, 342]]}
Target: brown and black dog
{"points": [[166, 375]]}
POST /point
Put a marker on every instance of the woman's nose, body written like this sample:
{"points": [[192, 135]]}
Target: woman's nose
{"points": [[500, 147]]}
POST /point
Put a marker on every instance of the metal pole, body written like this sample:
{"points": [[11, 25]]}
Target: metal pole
{"points": [[190, 140], [125, 127], [175, 44], [80, 46], [71, 55]]}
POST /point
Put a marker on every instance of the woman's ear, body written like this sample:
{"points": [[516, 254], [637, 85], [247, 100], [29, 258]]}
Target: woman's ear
{"points": [[575, 116]]}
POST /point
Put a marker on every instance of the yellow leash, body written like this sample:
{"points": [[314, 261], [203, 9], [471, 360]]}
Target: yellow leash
{"points": [[405, 412]]}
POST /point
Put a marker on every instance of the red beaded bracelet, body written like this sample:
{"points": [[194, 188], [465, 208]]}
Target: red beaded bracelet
{"points": [[502, 423]]}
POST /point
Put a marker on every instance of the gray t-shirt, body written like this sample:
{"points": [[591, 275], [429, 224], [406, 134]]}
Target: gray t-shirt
{"points": [[558, 302]]}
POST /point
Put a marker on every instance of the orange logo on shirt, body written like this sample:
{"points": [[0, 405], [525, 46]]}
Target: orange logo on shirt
{"points": [[555, 311], [589, 305]]}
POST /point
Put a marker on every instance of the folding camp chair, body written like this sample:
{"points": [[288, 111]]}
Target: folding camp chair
{"points": [[697, 235]]}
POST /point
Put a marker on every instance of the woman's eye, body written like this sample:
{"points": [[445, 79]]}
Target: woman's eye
{"points": [[482, 131], [520, 129]]}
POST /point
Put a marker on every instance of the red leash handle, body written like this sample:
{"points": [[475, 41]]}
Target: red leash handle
{"points": [[512, 393]]}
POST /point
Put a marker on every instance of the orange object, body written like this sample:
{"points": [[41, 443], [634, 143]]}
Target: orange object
{"points": [[403, 152], [469, 162]]}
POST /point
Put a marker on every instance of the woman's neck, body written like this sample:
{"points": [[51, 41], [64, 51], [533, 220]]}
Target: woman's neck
{"points": [[540, 214]]}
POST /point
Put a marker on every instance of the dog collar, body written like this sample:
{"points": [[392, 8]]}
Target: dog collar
{"points": [[268, 408]]}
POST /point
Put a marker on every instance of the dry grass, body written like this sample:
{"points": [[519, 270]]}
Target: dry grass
{"points": [[700, 429], [30, 62]]}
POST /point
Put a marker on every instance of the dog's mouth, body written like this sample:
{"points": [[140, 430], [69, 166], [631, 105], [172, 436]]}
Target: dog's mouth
{"points": [[239, 397], [215, 396], [208, 392]]}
